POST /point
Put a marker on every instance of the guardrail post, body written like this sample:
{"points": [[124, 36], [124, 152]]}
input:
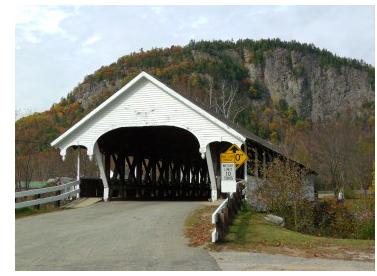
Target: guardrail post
{"points": [[222, 226], [225, 213], [38, 196], [57, 203], [226, 220]]}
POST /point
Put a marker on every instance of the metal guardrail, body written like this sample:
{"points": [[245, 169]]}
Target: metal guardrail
{"points": [[72, 186], [222, 216]]}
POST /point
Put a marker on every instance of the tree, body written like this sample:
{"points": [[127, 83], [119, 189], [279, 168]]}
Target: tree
{"points": [[361, 164], [330, 146], [25, 169], [283, 188], [228, 102], [341, 150], [22, 112]]}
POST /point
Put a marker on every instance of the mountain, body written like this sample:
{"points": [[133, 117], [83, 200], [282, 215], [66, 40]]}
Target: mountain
{"points": [[273, 85]]}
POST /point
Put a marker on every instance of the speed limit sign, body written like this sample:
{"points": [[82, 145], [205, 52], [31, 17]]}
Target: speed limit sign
{"points": [[228, 178]]}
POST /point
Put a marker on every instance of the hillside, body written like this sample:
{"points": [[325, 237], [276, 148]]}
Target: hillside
{"points": [[277, 86]]}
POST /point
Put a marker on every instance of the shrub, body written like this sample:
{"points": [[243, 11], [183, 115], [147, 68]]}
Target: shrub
{"points": [[366, 230], [305, 223], [323, 217], [349, 193], [299, 70], [328, 218], [282, 191], [344, 225]]}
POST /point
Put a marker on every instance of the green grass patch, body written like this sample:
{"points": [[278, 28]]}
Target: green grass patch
{"points": [[30, 211], [35, 184], [251, 232], [250, 229]]}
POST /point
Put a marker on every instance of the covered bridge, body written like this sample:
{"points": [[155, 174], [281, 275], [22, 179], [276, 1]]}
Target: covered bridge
{"points": [[150, 141]]}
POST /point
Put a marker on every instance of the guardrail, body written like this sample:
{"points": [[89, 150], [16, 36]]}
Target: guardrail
{"points": [[225, 213], [69, 189]]}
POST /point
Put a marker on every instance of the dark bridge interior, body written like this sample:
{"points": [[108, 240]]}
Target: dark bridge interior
{"points": [[154, 163]]}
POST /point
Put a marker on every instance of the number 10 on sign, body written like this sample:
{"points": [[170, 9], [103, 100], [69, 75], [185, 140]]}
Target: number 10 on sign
{"points": [[228, 178]]}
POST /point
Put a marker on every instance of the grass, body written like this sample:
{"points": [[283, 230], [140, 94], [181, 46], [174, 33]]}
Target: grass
{"points": [[30, 211], [250, 231], [36, 184]]}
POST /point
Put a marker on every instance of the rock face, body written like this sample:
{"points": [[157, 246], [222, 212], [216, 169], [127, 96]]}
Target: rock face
{"points": [[313, 90]]}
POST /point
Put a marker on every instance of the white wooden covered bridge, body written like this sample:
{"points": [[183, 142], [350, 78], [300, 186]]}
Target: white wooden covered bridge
{"points": [[159, 143]]}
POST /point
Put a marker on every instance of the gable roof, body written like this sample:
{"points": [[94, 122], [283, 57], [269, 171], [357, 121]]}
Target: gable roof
{"points": [[222, 122], [185, 100]]}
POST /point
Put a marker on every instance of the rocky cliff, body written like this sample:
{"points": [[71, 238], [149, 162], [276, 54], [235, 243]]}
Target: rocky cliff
{"points": [[313, 87], [277, 83], [315, 91]]}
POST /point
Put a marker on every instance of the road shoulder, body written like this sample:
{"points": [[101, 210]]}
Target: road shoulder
{"points": [[248, 261]]}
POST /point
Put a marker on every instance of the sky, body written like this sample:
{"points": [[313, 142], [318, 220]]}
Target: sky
{"points": [[57, 46]]}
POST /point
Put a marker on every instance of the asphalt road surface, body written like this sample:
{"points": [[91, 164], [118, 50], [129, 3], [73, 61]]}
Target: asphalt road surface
{"points": [[128, 235], [121, 235]]}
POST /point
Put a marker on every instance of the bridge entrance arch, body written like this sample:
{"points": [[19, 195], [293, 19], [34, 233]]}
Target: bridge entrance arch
{"points": [[153, 163]]}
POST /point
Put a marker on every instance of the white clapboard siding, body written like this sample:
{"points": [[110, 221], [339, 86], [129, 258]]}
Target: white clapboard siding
{"points": [[147, 103]]}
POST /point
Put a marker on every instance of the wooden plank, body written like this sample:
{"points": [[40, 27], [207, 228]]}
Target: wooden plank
{"points": [[46, 190], [218, 210], [46, 199]]}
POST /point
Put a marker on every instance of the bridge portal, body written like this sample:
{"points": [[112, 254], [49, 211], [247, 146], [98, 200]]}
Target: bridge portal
{"points": [[150, 142]]}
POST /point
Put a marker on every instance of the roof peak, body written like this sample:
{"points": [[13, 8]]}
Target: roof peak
{"points": [[162, 86]]}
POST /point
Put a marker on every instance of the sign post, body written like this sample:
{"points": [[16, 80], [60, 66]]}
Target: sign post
{"points": [[228, 173], [230, 160]]}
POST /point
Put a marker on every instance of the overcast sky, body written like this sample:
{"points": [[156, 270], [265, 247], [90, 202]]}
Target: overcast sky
{"points": [[56, 47]]}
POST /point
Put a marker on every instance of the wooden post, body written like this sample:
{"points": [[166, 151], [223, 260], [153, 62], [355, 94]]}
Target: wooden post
{"points": [[38, 206], [107, 173], [154, 173], [107, 166], [122, 173], [222, 227], [245, 165], [226, 219], [264, 164], [78, 163], [101, 166], [57, 203], [78, 170], [256, 163]]}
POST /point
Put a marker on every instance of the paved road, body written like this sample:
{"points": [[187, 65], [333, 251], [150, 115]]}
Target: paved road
{"points": [[239, 261], [136, 236], [120, 235]]}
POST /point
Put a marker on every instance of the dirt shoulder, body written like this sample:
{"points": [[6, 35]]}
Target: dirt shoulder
{"points": [[251, 233]]}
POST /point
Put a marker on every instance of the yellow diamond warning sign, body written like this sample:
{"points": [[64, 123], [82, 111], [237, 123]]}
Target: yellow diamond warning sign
{"points": [[239, 156], [227, 157]]}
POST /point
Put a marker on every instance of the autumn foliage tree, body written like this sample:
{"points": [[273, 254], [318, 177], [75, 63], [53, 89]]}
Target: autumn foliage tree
{"points": [[282, 189]]}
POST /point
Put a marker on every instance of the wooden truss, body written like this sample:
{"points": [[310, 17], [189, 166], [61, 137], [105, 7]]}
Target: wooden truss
{"points": [[140, 177]]}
